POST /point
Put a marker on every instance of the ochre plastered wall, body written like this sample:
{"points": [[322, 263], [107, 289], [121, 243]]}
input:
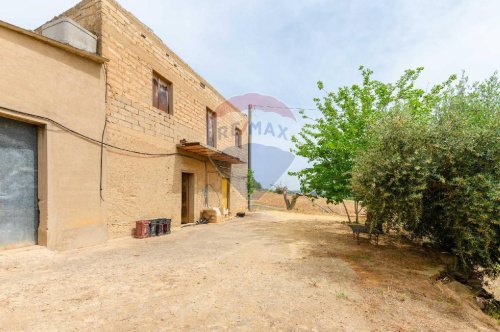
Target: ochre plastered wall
{"points": [[139, 187], [41, 79]]}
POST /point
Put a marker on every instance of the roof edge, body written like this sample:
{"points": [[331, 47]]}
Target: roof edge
{"points": [[54, 43]]}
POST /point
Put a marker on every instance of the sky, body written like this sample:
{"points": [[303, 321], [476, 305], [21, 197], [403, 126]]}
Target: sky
{"points": [[282, 48]]}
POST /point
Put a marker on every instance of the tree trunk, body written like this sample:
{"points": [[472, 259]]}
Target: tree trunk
{"points": [[289, 205], [347, 212], [356, 210], [294, 200], [285, 197], [369, 219]]}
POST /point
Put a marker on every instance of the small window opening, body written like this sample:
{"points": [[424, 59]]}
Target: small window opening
{"points": [[237, 137], [211, 128], [162, 94]]}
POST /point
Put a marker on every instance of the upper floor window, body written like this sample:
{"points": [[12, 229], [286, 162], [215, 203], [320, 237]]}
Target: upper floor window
{"points": [[162, 94], [237, 137], [211, 128]]}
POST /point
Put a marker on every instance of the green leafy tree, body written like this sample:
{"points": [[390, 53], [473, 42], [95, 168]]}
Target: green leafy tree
{"points": [[438, 176], [251, 182], [332, 141]]}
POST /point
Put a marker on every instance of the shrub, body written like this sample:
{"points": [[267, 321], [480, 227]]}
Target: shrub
{"points": [[437, 175]]}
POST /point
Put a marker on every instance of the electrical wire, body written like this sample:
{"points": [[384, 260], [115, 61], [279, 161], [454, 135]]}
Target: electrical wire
{"points": [[101, 170], [101, 142], [289, 108], [74, 132], [102, 157]]}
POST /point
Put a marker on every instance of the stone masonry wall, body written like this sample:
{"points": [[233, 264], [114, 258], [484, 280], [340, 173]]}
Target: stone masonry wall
{"points": [[138, 186]]}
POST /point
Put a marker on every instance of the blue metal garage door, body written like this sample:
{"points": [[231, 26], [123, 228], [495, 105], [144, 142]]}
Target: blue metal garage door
{"points": [[18, 183]]}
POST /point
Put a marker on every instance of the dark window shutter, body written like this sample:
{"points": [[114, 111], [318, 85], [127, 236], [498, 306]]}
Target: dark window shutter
{"points": [[155, 92], [163, 97]]}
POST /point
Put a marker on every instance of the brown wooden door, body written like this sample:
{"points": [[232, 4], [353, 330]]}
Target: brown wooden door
{"points": [[186, 193]]}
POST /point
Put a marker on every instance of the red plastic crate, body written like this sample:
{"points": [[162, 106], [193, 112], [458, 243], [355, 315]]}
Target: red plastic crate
{"points": [[142, 229]]}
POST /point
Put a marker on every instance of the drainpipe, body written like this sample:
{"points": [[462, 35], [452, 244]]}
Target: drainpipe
{"points": [[249, 198]]}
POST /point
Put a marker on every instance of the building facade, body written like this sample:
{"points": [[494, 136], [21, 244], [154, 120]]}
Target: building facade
{"points": [[171, 146], [49, 178]]}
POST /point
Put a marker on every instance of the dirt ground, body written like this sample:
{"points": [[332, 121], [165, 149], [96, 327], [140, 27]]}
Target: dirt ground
{"points": [[267, 271], [266, 200]]}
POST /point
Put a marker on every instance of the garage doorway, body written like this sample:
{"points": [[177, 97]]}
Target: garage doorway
{"points": [[18, 183], [187, 196]]}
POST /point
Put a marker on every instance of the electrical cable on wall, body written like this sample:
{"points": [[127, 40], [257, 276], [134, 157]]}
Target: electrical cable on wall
{"points": [[74, 132], [101, 143], [102, 157], [103, 130]]}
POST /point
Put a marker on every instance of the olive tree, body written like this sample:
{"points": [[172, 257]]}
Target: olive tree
{"points": [[437, 175]]}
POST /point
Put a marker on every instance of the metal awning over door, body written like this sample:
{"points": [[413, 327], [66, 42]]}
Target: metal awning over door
{"points": [[208, 151], [18, 183]]}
